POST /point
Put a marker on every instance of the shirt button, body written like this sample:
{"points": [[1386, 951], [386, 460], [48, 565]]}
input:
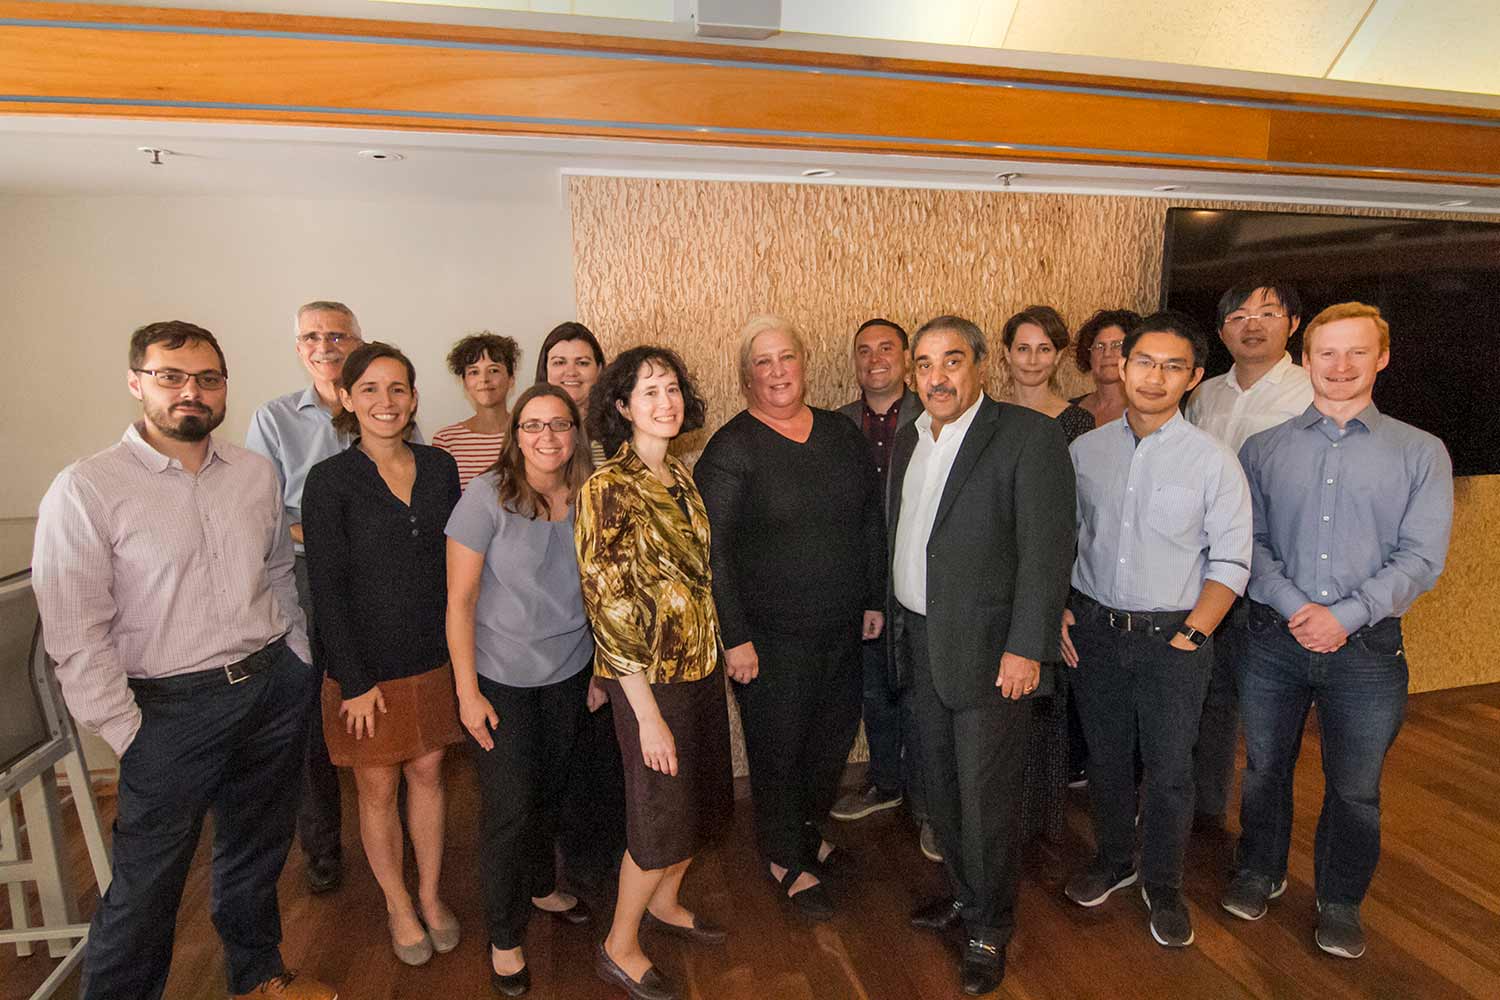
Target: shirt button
{"points": [[1328, 481], [1325, 517], [1321, 555], [1335, 444], [414, 535], [1122, 560], [413, 519], [1127, 524], [1324, 593]]}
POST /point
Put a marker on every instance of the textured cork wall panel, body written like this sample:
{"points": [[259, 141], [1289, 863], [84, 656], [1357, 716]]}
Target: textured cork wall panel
{"points": [[686, 262]]}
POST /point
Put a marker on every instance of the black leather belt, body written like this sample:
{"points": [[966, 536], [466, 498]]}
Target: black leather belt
{"points": [[233, 673], [255, 662], [1148, 622]]}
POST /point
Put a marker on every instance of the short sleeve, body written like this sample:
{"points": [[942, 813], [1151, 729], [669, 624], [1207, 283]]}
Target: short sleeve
{"points": [[476, 517]]}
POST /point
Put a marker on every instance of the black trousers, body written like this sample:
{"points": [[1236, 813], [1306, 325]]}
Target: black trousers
{"points": [[800, 718], [521, 786], [972, 760], [319, 819], [204, 744], [591, 834]]}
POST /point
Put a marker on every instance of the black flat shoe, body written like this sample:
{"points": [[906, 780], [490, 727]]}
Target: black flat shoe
{"points": [[653, 985], [514, 985], [702, 932], [576, 915], [839, 863], [937, 916], [813, 902], [324, 874], [982, 969]]}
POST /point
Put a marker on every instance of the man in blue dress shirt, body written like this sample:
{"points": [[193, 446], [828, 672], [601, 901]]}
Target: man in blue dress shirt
{"points": [[1163, 551], [296, 432], [1352, 516]]}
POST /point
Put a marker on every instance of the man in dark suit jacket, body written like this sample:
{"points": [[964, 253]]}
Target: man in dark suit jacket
{"points": [[981, 525], [885, 405]]}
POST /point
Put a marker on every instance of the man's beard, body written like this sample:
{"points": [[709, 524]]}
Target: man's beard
{"points": [[189, 426]]}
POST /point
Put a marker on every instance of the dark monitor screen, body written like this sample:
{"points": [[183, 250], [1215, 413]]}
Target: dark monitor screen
{"points": [[23, 727], [1436, 282]]}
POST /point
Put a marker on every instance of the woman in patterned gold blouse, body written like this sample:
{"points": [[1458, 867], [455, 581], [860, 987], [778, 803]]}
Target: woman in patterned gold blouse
{"points": [[642, 536]]}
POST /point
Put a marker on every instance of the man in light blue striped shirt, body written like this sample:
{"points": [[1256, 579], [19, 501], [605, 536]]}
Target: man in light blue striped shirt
{"points": [[1163, 550], [1353, 511]]}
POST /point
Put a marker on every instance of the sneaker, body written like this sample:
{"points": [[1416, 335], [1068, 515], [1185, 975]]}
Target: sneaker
{"points": [[858, 805], [1171, 926], [1094, 884], [1339, 930], [927, 840], [1078, 779], [1248, 894]]}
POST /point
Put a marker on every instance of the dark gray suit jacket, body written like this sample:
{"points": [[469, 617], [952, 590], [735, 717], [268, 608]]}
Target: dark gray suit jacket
{"points": [[911, 409], [1000, 553]]}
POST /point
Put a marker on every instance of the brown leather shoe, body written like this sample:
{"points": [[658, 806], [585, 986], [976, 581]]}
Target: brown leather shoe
{"points": [[290, 986]]}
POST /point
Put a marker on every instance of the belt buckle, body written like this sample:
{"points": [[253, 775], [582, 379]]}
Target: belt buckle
{"points": [[236, 673], [1116, 616]]}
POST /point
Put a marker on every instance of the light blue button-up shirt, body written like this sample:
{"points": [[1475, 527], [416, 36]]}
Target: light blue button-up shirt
{"points": [[296, 433], [1356, 518], [1159, 516]]}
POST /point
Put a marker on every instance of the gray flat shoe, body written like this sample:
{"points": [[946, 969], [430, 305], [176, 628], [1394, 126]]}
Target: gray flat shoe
{"points": [[411, 954], [444, 938]]}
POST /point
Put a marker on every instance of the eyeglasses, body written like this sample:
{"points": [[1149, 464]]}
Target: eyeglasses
{"points": [[325, 339], [1105, 346], [1144, 364], [171, 378], [558, 425], [1264, 316]]}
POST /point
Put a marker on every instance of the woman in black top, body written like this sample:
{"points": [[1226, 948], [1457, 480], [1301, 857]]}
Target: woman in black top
{"points": [[373, 516], [798, 557]]}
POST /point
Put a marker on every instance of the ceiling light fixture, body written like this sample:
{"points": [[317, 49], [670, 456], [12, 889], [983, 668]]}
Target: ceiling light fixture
{"points": [[1007, 177], [379, 154], [1455, 203], [155, 152], [820, 172], [1168, 187]]}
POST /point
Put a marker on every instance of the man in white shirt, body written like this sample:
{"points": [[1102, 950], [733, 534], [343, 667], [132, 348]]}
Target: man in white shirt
{"points": [[1262, 388]]}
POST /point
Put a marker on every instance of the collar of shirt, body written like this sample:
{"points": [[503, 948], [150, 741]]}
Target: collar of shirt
{"points": [[890, 411], [155, 460], [1175, 424], [309, 399], [1274, 376], [1369, 418], [954, 430]]}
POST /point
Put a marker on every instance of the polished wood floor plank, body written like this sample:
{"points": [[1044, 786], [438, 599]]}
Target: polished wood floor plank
{"points": [[1433, 913]]}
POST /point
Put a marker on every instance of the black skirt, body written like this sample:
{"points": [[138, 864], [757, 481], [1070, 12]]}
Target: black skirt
{"points": [[671, 818]]}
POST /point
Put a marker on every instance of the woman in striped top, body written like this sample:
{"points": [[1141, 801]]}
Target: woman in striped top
{"points": [[487, 364]]}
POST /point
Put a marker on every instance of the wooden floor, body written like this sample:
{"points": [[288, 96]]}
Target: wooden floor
{"points": [[1433, 914]]}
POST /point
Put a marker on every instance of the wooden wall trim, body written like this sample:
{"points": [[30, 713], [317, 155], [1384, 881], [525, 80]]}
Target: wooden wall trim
{"points": [[146, 62]]}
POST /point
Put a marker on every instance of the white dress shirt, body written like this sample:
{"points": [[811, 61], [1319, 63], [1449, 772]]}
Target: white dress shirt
{"points": [[1232, 414], [921, 492]]}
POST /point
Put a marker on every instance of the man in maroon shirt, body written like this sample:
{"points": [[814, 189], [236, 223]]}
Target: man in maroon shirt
{"points": [[884, 407]]}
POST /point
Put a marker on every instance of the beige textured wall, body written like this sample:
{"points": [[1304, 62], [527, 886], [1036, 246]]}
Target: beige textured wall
{"points": [[685, 262]]}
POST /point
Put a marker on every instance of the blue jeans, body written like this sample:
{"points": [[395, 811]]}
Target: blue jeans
{"points": [[1360, 691], [891, 732]]}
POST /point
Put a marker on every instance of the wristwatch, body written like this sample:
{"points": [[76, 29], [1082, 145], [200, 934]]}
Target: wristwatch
{"points": [[1192, 635]]}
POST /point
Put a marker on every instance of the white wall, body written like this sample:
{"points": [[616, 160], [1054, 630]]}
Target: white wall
{"points": [[78, 274]]}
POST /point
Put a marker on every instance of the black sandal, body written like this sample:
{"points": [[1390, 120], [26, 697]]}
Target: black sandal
{"points": [[812, 902]]}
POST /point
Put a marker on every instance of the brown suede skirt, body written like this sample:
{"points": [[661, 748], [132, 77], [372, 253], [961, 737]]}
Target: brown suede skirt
{"points": [[670, 818], [421, 715]]}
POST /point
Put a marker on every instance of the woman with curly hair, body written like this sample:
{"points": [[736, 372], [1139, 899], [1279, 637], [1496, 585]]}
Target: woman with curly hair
{"points": [[486, 364]]}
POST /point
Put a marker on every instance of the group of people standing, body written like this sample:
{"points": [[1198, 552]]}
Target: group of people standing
{"points": [[1002, 591]]}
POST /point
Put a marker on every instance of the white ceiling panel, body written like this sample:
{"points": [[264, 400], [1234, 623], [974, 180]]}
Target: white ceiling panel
{"points": [[1435, 44]]}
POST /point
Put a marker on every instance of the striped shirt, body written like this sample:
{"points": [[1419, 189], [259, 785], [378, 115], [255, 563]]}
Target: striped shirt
{"points": [[472, 451], [144, 570]]}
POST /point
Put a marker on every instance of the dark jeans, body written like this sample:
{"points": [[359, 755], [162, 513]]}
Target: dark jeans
{"points": [[1360, 691], [319, 820], [1218, 729], [1133, 686], [591, 834], [891, 732], [800, 716], [972, 763], [204, 744], [521, 786]]}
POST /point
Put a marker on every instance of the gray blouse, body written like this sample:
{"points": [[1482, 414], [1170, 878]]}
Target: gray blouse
{"points": [[529, 626]]}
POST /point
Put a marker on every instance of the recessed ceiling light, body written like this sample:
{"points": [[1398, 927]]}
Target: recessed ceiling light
{"points": [[1455, 203], [1007, 177], [1168, 187], [820, 172], [379, 154]]}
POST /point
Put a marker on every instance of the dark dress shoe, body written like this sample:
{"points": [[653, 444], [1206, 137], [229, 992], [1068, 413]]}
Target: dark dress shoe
{"points": [[982, 969], [838, 864], [324, 874], [813, 902], [574, 916], [514, 985], [939, 915], [652, 986], [702, 932]]}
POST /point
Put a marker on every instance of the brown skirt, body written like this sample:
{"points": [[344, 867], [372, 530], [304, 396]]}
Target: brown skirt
{"points": [[670, 818], [421, 715]]}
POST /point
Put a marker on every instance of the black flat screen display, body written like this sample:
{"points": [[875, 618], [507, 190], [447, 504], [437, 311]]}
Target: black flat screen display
{"points": [[1436, 282]]}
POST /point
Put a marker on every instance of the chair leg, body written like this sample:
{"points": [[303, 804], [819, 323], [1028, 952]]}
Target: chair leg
{"points": [[10, 854], [43, 824]]}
